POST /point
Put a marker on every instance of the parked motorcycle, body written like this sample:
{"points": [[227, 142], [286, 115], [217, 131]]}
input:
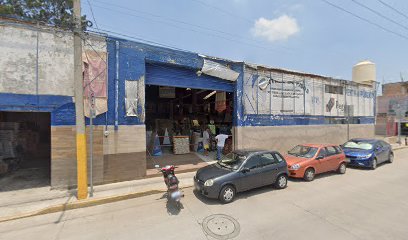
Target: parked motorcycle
{"points": [[173, 193]]}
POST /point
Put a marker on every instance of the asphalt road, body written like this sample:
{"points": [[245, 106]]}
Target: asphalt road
{"points": [[362, 204]]}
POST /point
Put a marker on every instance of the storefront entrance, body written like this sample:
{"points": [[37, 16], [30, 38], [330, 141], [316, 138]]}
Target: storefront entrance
{"points": [[25, 150], [180, 106]]}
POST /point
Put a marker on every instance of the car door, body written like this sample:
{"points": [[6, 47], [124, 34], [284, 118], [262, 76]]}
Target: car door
{"points": [[269, 168], [341, 156], [387, 150], [381, 152], [320, 161], [332, 159], [282, 166], [250, 174]]}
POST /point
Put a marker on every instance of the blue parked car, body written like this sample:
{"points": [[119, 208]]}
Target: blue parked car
{"points": [[367, 152]]}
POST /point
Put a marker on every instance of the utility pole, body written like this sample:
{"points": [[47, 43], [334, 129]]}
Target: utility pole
{"points": [[399, 115], [82, 178]]}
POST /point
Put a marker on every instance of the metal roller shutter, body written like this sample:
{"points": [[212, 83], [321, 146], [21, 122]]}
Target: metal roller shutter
{"points": [[163, 75]]}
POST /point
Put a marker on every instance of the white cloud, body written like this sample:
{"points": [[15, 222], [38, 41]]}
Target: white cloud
{"points": [[280, 28]]}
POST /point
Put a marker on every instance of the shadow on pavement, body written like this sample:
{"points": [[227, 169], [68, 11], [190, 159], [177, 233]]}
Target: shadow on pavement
{"points": [[172, 207], [241, 195], [367, 168], [317, 177]]}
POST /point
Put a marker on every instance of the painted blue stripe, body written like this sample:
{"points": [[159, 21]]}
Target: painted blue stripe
{"points": [[288, 120], [27, 102]]}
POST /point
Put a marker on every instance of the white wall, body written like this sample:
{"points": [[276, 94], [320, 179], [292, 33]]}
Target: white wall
{"points": [[18, 64], [283, 138], [297, 94]]}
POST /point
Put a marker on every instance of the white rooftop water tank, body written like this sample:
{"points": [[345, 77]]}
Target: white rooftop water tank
{"points": [[364, 72]]}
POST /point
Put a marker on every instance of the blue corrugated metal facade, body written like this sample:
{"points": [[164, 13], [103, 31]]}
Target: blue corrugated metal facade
{"points": [[129, 60], [164, 75]]}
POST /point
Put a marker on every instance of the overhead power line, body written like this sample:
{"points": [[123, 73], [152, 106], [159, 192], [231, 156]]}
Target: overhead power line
{"points": [[394, 9], [231, 39], [139, 39], [366, 20], [173, 22], [224, 11], [379, 14], [93, 16]]}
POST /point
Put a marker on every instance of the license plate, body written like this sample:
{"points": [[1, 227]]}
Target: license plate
{"points": [[197, 187]]}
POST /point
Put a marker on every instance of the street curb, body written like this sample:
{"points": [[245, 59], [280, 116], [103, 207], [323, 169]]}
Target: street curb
{"points": [[399, 148], [82, 204]]}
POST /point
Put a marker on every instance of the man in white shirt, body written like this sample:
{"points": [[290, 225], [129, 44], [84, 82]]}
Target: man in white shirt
{"points": [[220, 138]]}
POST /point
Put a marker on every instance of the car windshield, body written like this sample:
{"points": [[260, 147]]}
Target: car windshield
{"points": [[303, 151], [358, 145], [232, 160]]}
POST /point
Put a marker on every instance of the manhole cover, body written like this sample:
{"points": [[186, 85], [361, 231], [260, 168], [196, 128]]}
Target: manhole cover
{"points": [[221, 226]]}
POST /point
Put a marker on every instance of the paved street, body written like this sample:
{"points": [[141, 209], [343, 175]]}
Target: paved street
{"points": [[362, 204]]}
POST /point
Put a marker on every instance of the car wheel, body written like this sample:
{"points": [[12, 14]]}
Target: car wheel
{"points": [[391, 158], [309, 174], [342, 168], [281, 182], [374, 164], [227, 194]]}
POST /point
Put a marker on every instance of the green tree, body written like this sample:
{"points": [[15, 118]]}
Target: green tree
{"points": [[58, 13]]}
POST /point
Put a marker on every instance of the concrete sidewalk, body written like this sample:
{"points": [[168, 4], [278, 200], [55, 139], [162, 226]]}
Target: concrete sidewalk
{"points": [[38, 201], [396, 146]]}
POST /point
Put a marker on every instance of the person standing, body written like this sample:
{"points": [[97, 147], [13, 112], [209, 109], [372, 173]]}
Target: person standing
{"points": [[211, 126], [206, 141], [220, 138]]}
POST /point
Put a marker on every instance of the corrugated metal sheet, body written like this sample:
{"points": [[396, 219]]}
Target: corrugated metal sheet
{"points": [[164, 75]]}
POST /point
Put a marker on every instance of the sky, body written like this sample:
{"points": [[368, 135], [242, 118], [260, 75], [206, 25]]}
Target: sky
{"points": [[303, 35]]}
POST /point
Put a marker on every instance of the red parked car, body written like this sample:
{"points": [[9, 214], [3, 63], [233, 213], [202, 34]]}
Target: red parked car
{"points": [[307, 160]]}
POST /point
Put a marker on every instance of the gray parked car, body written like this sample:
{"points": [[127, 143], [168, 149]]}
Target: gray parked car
{"points": [[241, 171]]}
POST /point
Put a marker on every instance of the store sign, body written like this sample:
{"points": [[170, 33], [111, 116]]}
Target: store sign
{"points": [[167, 92], [275, 93]]}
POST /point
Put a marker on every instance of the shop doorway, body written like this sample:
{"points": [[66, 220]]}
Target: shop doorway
{"points": [[176, 118], [25, 150]]}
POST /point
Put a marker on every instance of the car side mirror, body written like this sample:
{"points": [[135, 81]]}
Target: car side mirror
{"points": [[319, 157], [245, 170]]}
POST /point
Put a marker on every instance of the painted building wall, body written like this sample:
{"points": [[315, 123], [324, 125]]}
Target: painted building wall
{"points": [[276, 117], [119, 142], [37, 75], [392, 106], [291, 95], [126, 147]]}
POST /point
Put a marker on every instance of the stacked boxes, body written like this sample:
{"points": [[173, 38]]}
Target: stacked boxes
{"points": [[181, 144]]}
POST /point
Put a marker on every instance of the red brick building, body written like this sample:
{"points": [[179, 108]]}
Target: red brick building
{"points": [[392, 103]]}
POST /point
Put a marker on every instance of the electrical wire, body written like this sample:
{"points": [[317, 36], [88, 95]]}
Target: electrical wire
{"points": [[366, 20], [212, 32], [379, 14], [224, 11], [93, 16], [132, 45], [171, 19], [141, 40], [97, 53], [164, 67], [394, 9]]}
